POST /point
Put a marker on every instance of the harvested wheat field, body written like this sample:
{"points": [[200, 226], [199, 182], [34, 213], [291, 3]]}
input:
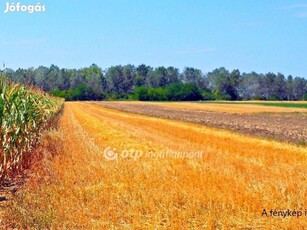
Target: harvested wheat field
{"points": [[224, 107], [106, 169], [230, 108], [284, 126]]}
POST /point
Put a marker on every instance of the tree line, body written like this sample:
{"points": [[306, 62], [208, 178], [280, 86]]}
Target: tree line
{"points": [[146, 83]]}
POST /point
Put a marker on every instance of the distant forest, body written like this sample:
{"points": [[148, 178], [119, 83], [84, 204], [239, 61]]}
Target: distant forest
{"points": [[146, 83]]}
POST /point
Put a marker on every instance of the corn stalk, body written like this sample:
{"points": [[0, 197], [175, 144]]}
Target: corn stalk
{"points": [[24, 113]]}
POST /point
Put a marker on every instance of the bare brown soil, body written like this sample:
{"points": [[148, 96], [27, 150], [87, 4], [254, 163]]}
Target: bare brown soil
{"points": [[288, 127]]}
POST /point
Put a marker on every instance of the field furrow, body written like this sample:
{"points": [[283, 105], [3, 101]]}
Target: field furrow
{"points": [[284, 126]]}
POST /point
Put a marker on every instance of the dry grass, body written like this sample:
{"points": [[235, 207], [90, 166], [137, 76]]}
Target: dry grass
{"points": [[225, 108], [229, 187]]}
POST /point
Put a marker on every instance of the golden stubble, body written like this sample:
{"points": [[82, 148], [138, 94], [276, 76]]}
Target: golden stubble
{"points": [[237, 177]]}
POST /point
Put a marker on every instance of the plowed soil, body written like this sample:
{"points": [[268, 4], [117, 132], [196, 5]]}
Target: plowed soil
{"points": [[288, 127]]}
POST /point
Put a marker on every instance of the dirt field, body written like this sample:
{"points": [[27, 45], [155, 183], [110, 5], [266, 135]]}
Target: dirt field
{"points": [[288, 127]]}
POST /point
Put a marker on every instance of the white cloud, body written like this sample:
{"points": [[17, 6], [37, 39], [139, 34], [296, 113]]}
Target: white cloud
{"points": [[23, 42], [299, 10], [295, 6], [196, 51], [190, 51], [301, 15]]}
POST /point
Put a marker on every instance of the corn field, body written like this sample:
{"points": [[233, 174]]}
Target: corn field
{"points": [[24, 113]]}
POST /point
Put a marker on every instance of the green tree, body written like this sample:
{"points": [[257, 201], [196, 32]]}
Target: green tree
{"points": [[224, 84], [142, 72], [157, 78]]}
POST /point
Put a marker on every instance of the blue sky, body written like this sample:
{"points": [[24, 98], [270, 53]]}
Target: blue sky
{"points": [[259, 36]]}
